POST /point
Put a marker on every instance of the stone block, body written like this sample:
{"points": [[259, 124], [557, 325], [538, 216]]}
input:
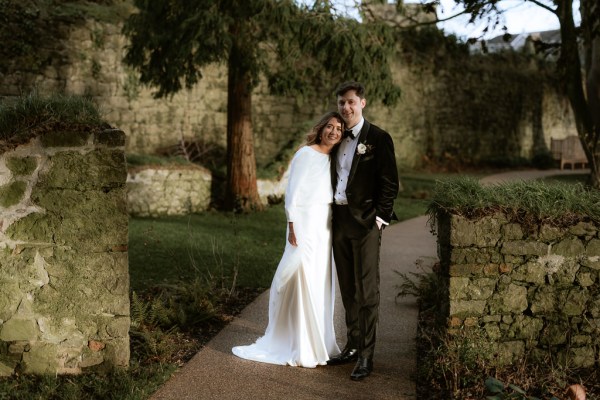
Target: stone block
{"points": [[524, 248], [467, 307], [110, 138], [544, 300], [583, 357], [480, 288], [41, 359], [511, 300], [512, 232], [550, 233], [573, 301], [18, 329], [583, 229], [21, 166], [65, 138], [12, 193], [484, 232], [569, 248]]}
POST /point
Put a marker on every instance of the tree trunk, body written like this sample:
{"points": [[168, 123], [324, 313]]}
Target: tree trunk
{"points": [[241, 192], [590, 13], [570, 69]]}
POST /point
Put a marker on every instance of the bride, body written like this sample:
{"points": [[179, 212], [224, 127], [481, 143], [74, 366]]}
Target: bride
{"points": [[300, 330]]}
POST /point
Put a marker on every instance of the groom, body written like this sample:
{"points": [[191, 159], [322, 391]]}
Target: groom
{"points": [[365, 183]]}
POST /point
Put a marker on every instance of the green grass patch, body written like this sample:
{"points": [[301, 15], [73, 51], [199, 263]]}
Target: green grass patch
{"points": [[179, 248], [33, 114], [557, 202]]}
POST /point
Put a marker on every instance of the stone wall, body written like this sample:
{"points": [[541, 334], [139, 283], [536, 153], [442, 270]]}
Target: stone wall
{"points": [[64, 281], [458, 108], [533, 290], [168, 190]]}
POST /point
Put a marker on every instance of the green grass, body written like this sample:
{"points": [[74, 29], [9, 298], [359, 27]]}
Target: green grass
{"points": [[553, 200], [164, 250]]}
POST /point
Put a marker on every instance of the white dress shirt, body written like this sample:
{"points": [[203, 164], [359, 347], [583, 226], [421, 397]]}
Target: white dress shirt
{"points": [[344, 162]]}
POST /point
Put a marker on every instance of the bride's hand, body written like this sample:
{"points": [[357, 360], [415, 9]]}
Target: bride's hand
{"points": [[292, 235]]}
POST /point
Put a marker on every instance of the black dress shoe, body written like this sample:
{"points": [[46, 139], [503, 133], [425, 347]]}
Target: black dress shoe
{"points": [[363, 368], [347, 355]]}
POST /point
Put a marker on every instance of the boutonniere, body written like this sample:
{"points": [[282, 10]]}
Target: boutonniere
{"points": [[364, 148]]}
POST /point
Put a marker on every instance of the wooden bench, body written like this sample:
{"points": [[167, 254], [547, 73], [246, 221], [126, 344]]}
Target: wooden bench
{"points": [[568, 151]]}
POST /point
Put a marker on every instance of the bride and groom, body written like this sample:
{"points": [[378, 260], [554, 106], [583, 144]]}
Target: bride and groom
{"points": [[340, 194]]}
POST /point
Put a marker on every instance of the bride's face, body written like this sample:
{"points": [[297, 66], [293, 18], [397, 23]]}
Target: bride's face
{"points": [[332, 132]]}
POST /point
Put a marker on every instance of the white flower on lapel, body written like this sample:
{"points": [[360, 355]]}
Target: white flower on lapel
{"points": [[361, 148]]}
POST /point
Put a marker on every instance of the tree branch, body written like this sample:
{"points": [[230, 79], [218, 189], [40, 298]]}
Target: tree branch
{"points": [[545, 7]]}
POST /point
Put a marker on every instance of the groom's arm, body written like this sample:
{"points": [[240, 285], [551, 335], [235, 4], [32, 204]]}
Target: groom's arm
{"points": [[387, 178]]}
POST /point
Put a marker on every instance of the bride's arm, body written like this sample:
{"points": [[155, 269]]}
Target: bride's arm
{"points": [[291, 235]]}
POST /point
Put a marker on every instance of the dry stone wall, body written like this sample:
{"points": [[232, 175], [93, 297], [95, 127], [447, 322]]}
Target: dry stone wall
{"points": [[64, 279], [533, 290], [465, 110], [168, 190]]}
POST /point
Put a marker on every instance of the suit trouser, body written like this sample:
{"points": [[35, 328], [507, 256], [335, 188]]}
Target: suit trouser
{"points": [[356, 254]]}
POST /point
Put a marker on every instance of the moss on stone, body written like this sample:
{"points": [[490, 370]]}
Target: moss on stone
{"points": [[21, 166], [65, 138], [99, 169], [110, 138], [12, 193]]}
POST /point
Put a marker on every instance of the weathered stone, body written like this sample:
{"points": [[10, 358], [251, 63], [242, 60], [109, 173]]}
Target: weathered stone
{"points": [[555, 333], [90, 358], [12, 193], [582, 357], [583, 229], [550, 233], [21, 166], [513, 299], [18, 329], [509, 352], [484, 232], [569, 248], [465, 269], [544, 300], [457, 289], [512, 232], [586, 279], [593, 248], [564, 273], [98, 169], [524, 248], [119, 327], [527, 327], [467, 308], [493, 331], [117, 351], [532, 272], [491, 269], [110, 138], [41, 359], [573, 301], [65, 138], [480, 288], [580, 340], [6, 368]]}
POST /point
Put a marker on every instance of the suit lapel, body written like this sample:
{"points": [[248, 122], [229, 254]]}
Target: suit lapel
{"points": [[362, 138]]}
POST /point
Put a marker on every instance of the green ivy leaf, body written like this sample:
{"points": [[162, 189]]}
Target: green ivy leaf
{"points": [[493, 385]]}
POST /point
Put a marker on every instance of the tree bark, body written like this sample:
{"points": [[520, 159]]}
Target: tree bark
{"points": [[241, 193], [590, 13], [570, 69]]}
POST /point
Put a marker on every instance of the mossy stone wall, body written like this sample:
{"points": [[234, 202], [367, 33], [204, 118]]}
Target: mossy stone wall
{"points": [[453, 109], [533, 290], [64, 280], [168, 190]]}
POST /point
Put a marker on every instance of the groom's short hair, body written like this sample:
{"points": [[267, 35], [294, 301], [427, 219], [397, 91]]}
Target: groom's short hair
{"points": [[358, 88]]}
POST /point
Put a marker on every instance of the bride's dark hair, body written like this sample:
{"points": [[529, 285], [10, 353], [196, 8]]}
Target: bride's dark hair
{"points": [[314, 136]]}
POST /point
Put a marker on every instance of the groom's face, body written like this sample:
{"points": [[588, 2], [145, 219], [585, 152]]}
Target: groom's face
{"points": [[351, 106]]}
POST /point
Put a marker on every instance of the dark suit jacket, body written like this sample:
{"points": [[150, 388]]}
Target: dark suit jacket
{"points": [[373, 181]]}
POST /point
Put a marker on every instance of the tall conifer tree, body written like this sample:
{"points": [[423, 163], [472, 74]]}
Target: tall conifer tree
{"points": [[296, 48]]}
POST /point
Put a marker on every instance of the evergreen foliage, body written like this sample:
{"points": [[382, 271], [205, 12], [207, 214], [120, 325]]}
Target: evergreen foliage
{"points": [[300, 50]]}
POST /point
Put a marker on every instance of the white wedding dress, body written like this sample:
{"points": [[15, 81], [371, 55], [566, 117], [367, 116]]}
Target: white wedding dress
{"points": [[300, 330]]}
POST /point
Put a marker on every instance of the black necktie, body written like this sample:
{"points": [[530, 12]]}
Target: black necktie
{"points": [[348, 133]]}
